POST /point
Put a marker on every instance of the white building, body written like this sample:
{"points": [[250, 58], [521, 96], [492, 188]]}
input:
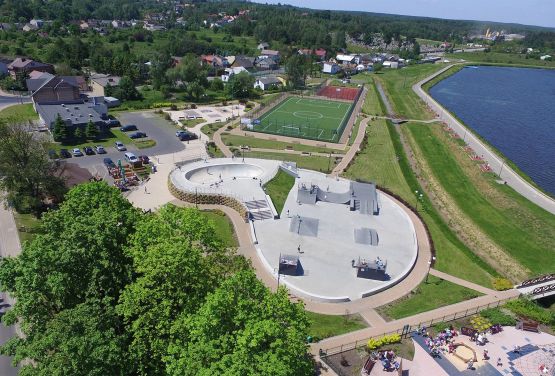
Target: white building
{"points": [[331, 68], [266, 83], [545, 57], [229, 72]]}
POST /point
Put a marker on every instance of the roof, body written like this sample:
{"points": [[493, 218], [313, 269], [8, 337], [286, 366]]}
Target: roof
{"points": [[38, 74], [22, 62], [50, 82], [269, 52], [320, 52], [345, 57], [105, 79], [269, 80], [76, 113], [244, 61]]}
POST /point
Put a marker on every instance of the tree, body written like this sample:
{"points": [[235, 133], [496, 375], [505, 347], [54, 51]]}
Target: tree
{"points": [[377, 67], [217, 84], [297, 68], [91, 130], [196, 90], [59, 132], [240, 85], [126, 89], [28, 176], [79, 133], [242, 329]]}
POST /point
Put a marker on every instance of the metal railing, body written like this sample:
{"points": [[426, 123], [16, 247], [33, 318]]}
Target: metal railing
{"points": [[411, 328]]}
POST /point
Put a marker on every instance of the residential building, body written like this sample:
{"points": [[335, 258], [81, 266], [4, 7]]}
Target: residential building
{"points": [[391, 64], [331, 68], [53, 89], [347, 59], [100, 81], [229, 72], [263, 46], [266, 83], [270, 53], [246, 62], [23, 65], [73, 113], [266, 63], [214, 61]]}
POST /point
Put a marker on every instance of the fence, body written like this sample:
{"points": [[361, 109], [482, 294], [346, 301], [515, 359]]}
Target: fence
{"points": [[411, 328]]}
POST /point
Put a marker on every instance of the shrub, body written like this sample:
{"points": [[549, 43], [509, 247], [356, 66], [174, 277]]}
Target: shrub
{"points": [[501, 284], [374, 343], [173, 107], [480, 324], [528, 309], [161, 104], [496, 316], [193, 106]]}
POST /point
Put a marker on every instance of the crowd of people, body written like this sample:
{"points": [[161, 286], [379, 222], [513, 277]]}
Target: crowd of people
{"points": [[388, 359]]}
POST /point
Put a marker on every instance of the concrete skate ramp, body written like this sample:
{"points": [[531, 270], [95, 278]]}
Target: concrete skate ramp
{"points": [[367, 197], [304, 226], [224, 172], [334, 198], [367, 236]]}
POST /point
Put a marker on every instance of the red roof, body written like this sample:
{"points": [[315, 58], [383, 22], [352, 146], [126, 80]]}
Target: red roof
{"points": [[320, 52]]}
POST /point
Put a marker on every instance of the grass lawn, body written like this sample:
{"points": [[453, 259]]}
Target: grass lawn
{"points": [[398, 85], [210, 129], [383, 161], [253, 142], [308, 118], [190, 123], [27, 226], [324, 326], [278, 189], [316, 163], [427, 296], [354, 131], [521, 228], [224, 227], [267, 98], [21, 113]]}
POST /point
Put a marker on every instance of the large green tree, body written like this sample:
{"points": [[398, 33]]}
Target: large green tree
{"points": [[59, 131], [297, 68], [27, 175], [240, 85], [242, 329]]}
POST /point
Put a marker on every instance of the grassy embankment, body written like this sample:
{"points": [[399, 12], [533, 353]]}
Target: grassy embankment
{"points": [[384, 161], [278, 189], [427, 296], [19, 114], [488, 208], [498, 58], [324, 326]]}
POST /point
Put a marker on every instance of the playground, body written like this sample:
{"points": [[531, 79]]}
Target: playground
{"points": [[310, 118]]}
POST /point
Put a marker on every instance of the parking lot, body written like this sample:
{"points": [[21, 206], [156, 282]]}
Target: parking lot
{"points": [[156, 128]]}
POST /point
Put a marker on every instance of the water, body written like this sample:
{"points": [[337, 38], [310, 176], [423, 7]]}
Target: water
{"points": [[513, 109]]}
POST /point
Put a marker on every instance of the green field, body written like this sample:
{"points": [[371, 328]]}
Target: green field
{"points": [[308, 118]]}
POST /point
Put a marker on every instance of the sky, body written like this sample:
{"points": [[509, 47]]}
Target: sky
{"points": [[528, 12]]}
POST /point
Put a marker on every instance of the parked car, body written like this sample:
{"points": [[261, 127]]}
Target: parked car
{"points": [[129, 127], [52, 154], [186, 136], [120, 146], [109, 163], [76, 152], [64, 153], [131, 158], [137, 135], [144, 159], [88, 150], [112, 123], [100, 149]]}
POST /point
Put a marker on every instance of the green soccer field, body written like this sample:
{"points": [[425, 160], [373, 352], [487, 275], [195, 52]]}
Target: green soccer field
{"points": [[309, 118]]}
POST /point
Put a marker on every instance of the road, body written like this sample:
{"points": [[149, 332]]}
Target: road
{"points": [[498, 164]]}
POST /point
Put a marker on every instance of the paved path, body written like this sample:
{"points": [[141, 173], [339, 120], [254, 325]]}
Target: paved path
{"points": [[355, 147], [462, 282], [497, 164], [296, 152], [408, 120]]}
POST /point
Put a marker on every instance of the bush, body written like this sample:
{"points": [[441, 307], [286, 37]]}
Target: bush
{"points": [[501, 284], [173, 107], [375, 343], [480, 323], [161, 104], [528, 309], [496, 316]]}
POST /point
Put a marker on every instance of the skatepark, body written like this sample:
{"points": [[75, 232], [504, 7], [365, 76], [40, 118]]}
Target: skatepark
{"points": [[334, 241]]}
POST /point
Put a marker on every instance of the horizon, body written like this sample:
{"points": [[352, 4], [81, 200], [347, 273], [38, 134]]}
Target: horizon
{"points": [[509, 12]]}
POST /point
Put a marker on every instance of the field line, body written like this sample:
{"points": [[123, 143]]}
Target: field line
{"points": [[271, 111]]}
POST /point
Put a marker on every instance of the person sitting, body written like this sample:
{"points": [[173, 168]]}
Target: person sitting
{"points": [[470, 364], [486, 355]]}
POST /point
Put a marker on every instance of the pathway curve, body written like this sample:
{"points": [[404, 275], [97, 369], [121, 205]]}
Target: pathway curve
{"points": [[462, 282], [354, 149], [513, 179]]}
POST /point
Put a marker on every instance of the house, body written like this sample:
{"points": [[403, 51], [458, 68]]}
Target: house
{"points": [[28, 27], [331, 68], [37, 23], [305, 51], [100, 81], [266, 83], [214, 61], [270, 53], [545, 57], [246, 62], [320, 54], [229, 72], [23, 65], [391, 64], [346, 59], [53, 90], [263, 46], [266, 63], [73, 113]]}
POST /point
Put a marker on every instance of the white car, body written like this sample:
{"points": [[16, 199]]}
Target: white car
{"points": [[131, 158], [77, 152], [120, 146]]}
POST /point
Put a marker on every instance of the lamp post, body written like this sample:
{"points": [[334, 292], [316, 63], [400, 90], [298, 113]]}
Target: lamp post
{"points": [[419, 197], [430, 267], [501, 169]]}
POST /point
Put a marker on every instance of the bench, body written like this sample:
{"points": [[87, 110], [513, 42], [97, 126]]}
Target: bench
{"points": [[529, 325], [368, 366]]}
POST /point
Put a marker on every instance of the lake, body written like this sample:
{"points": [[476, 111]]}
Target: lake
{"points": [[513, 109]]}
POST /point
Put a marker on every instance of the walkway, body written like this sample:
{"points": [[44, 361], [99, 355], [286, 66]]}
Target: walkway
{"points": [[355, 147], [498, 164], [408, 120]]}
